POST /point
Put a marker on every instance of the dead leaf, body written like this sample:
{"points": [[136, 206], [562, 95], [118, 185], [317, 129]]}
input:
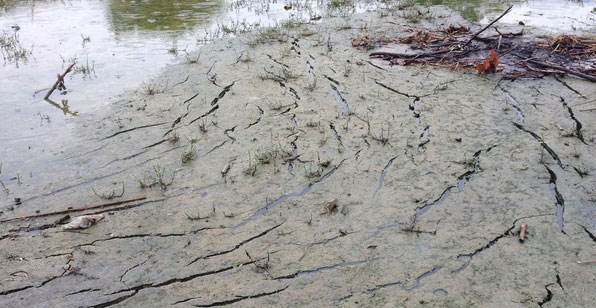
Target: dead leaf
{"points": [[489, 65], [363, 41]]}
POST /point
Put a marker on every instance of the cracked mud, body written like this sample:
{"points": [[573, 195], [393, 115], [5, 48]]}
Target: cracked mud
{"points": [[229, 182]]}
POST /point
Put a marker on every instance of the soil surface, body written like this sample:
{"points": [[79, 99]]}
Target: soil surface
{"points": [[285, 168]]}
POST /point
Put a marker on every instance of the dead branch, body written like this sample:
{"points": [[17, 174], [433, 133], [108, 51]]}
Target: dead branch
{"points": [[487, 26], [564, 69], [74, 210], [59, 84]]}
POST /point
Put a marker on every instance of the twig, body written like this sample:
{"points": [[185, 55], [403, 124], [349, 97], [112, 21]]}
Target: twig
{"points": [[74, 210], [486, 27], [564, 69], [60, 81]]}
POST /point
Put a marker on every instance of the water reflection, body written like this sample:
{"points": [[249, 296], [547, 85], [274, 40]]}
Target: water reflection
{"points": [[159, 15]]}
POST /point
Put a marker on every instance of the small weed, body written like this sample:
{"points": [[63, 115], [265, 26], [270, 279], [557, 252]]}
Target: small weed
{"points": [[189, 155], [12, 50], [158, 177], [265, 157], [251, 169], [174, 138], [202, 126], [151, 89], [199, 217], [86, 39], [312, 83], [190, 59], [282, 75], [2, 183], [269, 35], [312, 171], [109, 195], [330, 207], [313, 124], [87, 69]]}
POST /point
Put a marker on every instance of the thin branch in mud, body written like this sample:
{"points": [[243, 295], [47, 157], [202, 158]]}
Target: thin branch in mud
{"points": [[564, 69], [70, 210], [111, 195], [260, 267]]}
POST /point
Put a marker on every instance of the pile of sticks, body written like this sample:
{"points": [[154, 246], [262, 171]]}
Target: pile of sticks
{"points": [[456, 47]]}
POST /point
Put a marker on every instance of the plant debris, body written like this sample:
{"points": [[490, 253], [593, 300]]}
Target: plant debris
{"points": [[516, 56]]}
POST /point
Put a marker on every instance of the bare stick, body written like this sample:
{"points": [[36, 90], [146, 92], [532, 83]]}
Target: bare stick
{"points": [[74, 210], [60, 81], [487, 26], [564, 69]]}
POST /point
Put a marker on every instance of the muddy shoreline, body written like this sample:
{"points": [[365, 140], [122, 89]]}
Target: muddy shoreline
{"points": [[286, 168]]}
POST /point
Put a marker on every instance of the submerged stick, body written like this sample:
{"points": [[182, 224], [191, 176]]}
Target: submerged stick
{"points": [[487, 26]]}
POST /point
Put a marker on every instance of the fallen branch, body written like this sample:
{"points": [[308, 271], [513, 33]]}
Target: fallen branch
{"points": [[487, 26], [59, 84], [74, 210], [564, 69]]}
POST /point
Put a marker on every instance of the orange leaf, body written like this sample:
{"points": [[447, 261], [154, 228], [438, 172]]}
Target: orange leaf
{"points": [[489, 65]]}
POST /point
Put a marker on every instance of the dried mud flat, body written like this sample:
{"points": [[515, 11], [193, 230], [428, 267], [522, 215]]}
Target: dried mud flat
{"points": [[290, 170]]}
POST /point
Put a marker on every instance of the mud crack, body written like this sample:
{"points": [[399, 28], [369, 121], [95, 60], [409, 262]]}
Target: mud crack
{"points": [[320, 269], [473, 168], [341, 101], [470, 255], [237, 298], [235, 247], [578, 124], [383, 174], [560, 201], [301, 192], [133, 129], [134, 290], [548, 149]]}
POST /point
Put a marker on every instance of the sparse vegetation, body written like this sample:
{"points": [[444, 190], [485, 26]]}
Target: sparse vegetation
{"points": [[152, 88], [189, 155], [86, 69], [157, 177], [109, 195], [2, 183], [12, 50]]}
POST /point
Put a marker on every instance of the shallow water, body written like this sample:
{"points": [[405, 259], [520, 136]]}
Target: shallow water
{"points": [[123, 44]]}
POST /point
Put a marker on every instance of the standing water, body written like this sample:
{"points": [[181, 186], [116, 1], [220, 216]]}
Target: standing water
{"points": [[118, 45]]}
